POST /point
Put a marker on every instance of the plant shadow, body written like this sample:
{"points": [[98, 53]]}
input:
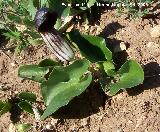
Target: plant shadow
{"points": [[3, 39], [86, 104], [152, 79], [111, 29], [15, 110], [119, 58]]}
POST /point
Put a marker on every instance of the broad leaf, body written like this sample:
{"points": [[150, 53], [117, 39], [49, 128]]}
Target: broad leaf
{"points": [[64, 84], [47, 63], [27, 96], [58, 24], [92, 47], [33, 72], [23, 127], [26, 106], [109, 68], [130, 74]]}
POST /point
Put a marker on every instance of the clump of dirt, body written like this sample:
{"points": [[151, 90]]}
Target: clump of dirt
{"points": [[136, 109]]}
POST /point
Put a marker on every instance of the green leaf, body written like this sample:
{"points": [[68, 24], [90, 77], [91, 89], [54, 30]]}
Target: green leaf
{"points": [[23, 127], [26, 106], [4, 107], [29, 6], [56, 5], [109, 68], [31, 9], [64, 84], [12, 35], [70, 12], [35, 42], [1, 105], [28, 22], [27, 96], [32, 34], [130, 74], [33, 72], [12, 4], [67, 16], [22, 45], [58, 24], [47, 63], [91, 3], [43, 2], [2, 25], [88, 4], [104, 81], [14, 18], [92, 47]]}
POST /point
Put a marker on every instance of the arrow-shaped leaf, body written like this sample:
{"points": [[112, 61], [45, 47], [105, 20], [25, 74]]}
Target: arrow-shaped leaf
{"points": [[64, 84], [130, 74]]}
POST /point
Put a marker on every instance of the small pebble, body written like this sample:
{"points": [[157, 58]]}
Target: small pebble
{"points": [[130, 122], [48, 126], [120, 47], [36, 113], [11, 128], [54, 121], [21, 117], [8, 51], [155, 31], [16, 92], [120, 130], [150, 44], [153, 45], [13, 64], [84, 122]]}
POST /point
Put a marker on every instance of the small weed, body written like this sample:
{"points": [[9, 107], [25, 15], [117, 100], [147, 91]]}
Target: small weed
{"points": [[17, 18]]}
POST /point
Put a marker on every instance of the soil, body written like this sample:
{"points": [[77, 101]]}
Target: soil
{"points": [[136, 109]]}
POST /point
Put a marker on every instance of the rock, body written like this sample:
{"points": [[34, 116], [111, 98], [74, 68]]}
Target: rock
{"points": [[11, 128], [155, 31], [16, 92], [48, 127], [36, 113], [54, 121], [153, 48], [13, 64], [120, 47], [153, 45]]}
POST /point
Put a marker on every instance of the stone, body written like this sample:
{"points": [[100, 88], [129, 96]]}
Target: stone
{"points": [[155, 31]]}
